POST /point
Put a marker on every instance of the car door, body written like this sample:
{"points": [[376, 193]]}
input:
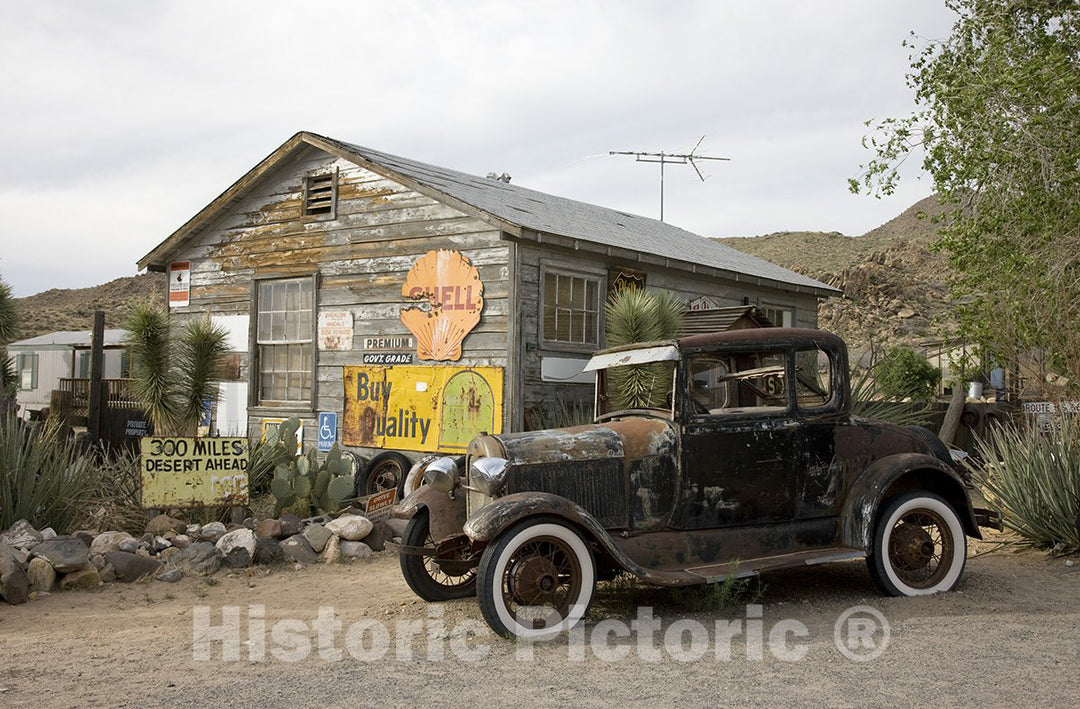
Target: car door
{"points": [[739, 440]]}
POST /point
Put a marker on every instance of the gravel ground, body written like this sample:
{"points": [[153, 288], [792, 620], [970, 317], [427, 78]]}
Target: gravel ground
{"points": [[1008, 635]]}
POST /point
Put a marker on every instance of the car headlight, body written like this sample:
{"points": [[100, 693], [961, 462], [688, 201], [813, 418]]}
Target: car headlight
{"points": [[442, 474], [487, 475]]}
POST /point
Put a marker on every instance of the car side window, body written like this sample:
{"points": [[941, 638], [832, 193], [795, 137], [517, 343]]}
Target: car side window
{"points": [[813, 378], [738, 383]]}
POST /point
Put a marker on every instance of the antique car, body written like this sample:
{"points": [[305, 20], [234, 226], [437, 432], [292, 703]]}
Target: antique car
{"points": [[734, 453]]}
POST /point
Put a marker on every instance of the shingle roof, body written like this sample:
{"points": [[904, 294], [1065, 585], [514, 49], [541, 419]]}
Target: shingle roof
{"points": [[551, 214]]}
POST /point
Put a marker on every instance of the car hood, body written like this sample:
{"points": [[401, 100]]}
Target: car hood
{"points": [[627, 438]]}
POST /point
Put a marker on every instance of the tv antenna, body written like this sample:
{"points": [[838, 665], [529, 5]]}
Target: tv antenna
{"points": [[665, 158]]}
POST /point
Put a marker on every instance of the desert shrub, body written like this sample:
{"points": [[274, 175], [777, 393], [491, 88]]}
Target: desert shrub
{"points": [[1034, 478], [868, 401], [44, 478], [116, 502], [903, 373]]}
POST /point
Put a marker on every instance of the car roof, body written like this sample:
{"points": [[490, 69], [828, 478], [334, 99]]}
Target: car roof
{"points": [[746, 336]]}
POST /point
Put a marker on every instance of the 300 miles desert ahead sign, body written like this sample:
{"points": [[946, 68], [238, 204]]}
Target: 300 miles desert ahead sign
{"points": [[194, 472]]}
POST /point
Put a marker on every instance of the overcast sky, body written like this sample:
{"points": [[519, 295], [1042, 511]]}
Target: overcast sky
{"points": [[122, 119]]}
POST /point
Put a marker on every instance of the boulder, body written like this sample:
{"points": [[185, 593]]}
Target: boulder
{"points": [[181, 541], [21, 535], [331, 553], [200, 558], [130, 545], [192, 530], [49, 533], [14, 583], [41, 574], [107, 573], [397, 526], [297, 548], [163, 523], [66, 554], [82, 579], [290, 525], [355, 550], [380, 534], [237, 547], [317, 536], [170, 575], [268, 551], [160, 544], [166, 554], [212, 532], [268, 528], [131, 567], [109, 541], [87, 535], [352, 528]]}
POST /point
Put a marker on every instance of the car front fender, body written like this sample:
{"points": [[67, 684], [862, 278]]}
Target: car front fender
{"points": [[446, 510], [915, 470]]}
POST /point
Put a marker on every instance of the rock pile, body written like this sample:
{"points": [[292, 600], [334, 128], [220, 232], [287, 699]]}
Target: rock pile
{"points": [[35, 563]]}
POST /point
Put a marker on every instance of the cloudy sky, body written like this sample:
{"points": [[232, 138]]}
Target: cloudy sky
{"points": [[122, 119]]}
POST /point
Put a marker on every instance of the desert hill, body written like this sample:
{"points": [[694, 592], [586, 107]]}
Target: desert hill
{"points": [[73, 308], [895, 288]]}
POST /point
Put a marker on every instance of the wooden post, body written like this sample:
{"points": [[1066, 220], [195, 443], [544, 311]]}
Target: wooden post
{"points": [[952, 415], [97, 357]]}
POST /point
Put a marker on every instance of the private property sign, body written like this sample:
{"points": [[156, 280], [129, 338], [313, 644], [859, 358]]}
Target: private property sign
{"points": [[421, 408], [194, 472]]}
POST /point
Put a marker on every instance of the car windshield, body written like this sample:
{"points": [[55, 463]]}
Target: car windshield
{"points": [[635, 379]]}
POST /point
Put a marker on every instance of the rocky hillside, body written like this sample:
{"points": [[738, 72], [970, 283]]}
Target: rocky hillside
{"points": [[895, 287], [73, 309]]}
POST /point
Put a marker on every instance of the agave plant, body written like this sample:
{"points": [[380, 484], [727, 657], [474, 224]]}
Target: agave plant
{"points": [[1034, 477], [172, 378], [637, 315]]}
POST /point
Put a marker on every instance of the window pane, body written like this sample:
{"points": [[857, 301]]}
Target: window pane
{"points": [[562, 325], [550, 280], [590, 328], [277, 327], [564, 294], [577, 301]]}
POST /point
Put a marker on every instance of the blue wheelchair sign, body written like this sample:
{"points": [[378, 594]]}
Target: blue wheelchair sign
{"points": [[327, 430]]}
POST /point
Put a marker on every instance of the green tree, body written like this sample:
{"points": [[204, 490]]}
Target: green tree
{"points": [[173, 376], [997, 119], [903, 373], [637, 315]]}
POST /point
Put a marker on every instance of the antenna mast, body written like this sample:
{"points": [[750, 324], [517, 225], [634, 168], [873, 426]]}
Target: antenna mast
{"points": [[664, 158]]}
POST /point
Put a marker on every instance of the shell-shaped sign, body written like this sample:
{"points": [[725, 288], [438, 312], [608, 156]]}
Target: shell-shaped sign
{"points": [[447, 297]]}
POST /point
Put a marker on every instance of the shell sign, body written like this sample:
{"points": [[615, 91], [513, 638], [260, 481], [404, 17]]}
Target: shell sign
{"points": [[447, 297]]}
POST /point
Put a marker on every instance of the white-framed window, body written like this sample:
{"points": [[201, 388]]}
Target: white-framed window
{"points": [[571, 308], [26, 369], [284, 340], [779, 316]]}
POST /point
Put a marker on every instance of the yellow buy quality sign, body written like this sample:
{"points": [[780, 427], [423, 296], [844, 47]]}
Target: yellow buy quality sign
{"points": [[421, 408], [194, 472]]}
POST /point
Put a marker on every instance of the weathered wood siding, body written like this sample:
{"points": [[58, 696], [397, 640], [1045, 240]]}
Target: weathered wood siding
{"points": [[532, 261], [361, 257]]}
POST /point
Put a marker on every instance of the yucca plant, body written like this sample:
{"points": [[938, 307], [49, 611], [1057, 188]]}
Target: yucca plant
{"points": [[636, 315], [44, 479], [868, 402], [172, 376], [9, 324], [1034, 478]]}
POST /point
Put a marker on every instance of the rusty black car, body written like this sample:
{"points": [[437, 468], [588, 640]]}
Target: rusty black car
{"points": [[746, 459]]}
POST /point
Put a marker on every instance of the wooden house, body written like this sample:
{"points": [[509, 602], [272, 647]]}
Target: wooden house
{"points": [[397, 305]]}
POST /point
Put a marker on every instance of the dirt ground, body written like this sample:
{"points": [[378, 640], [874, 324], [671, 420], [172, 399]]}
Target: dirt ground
{"points": [[1010, 634]]}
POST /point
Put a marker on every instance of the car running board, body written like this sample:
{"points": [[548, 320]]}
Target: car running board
{"points": [[715, 573]]}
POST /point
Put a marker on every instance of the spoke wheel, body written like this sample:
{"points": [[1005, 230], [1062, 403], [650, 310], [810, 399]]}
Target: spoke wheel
{"points": [[434, 578], [386, 471], [919, 546], [536, 579]]}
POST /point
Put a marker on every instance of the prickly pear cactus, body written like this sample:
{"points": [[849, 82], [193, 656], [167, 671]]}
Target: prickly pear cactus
{"points": [[304, 485]]}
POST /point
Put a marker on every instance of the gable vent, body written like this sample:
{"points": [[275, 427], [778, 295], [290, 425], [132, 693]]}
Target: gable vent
{"points": [[320, 192]]}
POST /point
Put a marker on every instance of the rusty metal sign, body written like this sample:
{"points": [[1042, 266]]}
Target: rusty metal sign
{"points": [[379, 505], [447, 296], [421, 408], [194, 472]]}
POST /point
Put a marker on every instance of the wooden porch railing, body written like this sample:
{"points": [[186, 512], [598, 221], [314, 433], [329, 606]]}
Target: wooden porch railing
{"points": [[79, 390]]}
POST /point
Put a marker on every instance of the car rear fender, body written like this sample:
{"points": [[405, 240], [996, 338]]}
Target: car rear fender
{"points": [[446, 510], [896, 473]]}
